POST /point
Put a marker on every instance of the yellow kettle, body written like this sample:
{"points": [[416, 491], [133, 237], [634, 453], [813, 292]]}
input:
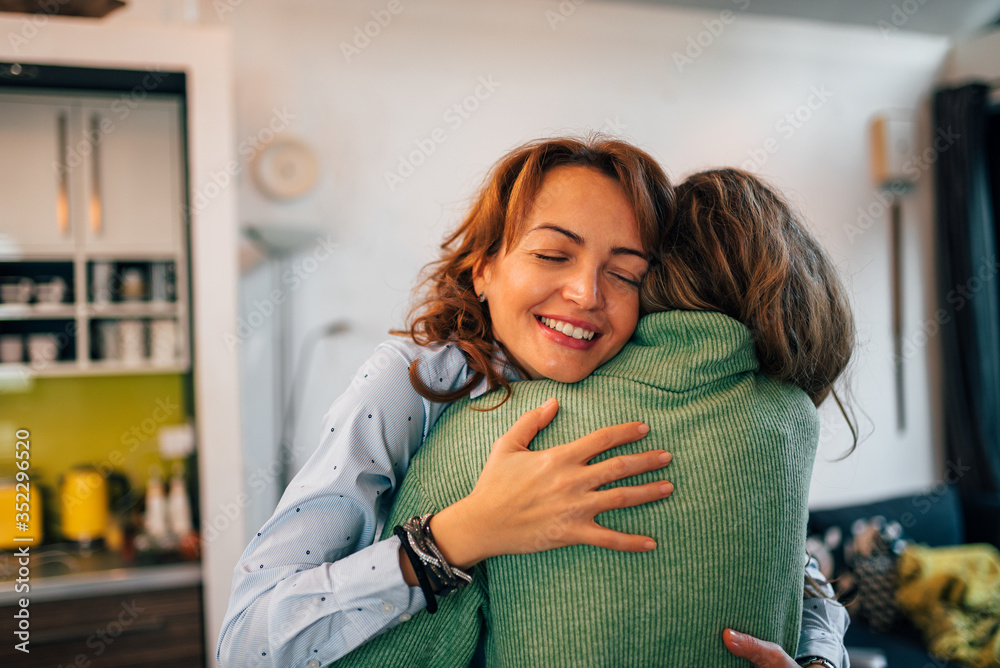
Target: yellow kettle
{"points": [[83, 498], [15, 497]]}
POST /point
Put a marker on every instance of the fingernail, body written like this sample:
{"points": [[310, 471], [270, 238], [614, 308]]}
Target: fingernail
{"points": [[549, 402], [735, 639], [665, 458], [666, 488], [643, 428], [649, 545]]}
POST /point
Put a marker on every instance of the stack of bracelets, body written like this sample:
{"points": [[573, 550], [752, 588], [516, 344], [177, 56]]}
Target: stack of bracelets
{"points": [[434, 573]]}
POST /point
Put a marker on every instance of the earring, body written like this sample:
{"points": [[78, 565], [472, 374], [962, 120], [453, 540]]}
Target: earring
{"points": [[482, 297]]}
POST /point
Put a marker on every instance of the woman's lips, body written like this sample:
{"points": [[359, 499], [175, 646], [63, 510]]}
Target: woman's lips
{"points": [[564, 340]]}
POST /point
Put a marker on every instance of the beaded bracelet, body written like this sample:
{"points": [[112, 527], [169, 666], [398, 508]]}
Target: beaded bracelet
{"points": [[445, 577], [428, 561]]}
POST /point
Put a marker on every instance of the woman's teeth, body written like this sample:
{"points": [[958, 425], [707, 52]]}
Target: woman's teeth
{"points": [[568, 329]]}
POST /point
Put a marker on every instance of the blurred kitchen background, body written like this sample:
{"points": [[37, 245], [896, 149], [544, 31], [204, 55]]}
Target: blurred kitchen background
{"points": [[212, 211]]}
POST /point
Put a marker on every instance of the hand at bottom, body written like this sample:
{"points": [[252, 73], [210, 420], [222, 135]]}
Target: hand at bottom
{"points": [[763, 654]]}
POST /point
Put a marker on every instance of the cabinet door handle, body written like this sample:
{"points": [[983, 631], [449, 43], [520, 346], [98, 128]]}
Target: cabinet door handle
{"points": [[95, 175], [62, 197]]}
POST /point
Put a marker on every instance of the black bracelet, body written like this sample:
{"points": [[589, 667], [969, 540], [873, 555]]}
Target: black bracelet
{"points": [[444, 577], [418, 568]]}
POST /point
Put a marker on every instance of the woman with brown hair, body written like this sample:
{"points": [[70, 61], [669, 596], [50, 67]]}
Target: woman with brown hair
{"points": [[736, 247]]}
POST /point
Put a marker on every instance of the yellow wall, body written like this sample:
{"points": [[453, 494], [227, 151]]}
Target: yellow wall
{"points": [[110, 421]]}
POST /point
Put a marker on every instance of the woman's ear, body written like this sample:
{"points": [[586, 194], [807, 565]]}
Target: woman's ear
{"points": [[482, 274]]}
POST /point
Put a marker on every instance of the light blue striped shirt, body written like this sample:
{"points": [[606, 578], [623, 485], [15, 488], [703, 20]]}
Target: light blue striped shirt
{"points": [[313, 584]]}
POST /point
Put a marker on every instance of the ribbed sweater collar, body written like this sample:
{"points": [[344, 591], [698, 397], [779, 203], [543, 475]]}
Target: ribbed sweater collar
{"points": [[678, 351]]}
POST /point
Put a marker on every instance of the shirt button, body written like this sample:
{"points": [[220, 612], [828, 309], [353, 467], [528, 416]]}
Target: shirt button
{"points": [[313, 663], [404, 617], [387, 608]]}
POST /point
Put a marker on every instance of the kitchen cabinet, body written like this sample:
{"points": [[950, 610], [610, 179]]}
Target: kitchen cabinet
{"points": [[93, 197], [152, 629], [132, 177], [34, 190], [100, 174]]}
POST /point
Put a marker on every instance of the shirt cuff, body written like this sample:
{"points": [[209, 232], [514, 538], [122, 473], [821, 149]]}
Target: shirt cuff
{"points": [[371, 589]]}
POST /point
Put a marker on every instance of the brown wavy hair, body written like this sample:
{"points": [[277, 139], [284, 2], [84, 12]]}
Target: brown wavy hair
{"points": [[737, 247], [450, 311]]}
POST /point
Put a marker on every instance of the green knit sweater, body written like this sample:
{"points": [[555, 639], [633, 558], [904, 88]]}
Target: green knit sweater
{"points": [[730, 540]]}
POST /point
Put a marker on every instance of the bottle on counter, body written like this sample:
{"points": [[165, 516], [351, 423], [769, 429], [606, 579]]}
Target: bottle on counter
{"points": [[178, 506], [156, 508]]}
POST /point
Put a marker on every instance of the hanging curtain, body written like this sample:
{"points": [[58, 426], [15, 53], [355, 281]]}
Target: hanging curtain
{"points": [[968, 280]]}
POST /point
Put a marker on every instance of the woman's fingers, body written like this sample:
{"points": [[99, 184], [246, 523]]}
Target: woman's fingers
{"points": [[626, 497], [521, 433], [586, 448], [609, 539], [625, 466], [763, 654]]}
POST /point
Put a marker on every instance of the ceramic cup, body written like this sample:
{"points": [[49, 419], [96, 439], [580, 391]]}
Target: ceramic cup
{"points": [[51, 293], [132, 341], [133, 285], [161, 282], [163, 342], [42, 348], [16, 290], [108, 340], [11, 349], [101, 281]]}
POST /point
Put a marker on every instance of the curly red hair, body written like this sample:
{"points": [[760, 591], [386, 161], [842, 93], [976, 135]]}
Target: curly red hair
{"points": [[450, 311]]}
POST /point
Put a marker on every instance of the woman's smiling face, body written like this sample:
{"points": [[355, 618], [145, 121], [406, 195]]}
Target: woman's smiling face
{"points": [[565, 299]]}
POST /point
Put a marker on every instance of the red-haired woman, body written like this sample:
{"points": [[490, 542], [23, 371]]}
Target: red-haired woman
{"points": [[563, 233]]}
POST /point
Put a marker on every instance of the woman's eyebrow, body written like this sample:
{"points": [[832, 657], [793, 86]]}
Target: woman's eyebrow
{"points": [[578, 240]]}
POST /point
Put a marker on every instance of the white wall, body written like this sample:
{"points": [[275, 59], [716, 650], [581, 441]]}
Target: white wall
{"points": [[610, 66], [976, 58]]}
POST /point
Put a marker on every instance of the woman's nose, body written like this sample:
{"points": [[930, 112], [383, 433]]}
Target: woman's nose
{"points": [[583, 287]]}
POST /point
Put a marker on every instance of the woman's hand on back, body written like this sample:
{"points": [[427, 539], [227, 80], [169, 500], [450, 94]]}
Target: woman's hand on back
{"points": [[761, 653], [528, 501]]}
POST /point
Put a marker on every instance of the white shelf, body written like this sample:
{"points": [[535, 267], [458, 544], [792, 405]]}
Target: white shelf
{"points": [[132, 309], [63, 369], [37, 311]]}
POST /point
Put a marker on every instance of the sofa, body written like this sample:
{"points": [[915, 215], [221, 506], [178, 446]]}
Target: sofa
{"points": [[938, 518]]}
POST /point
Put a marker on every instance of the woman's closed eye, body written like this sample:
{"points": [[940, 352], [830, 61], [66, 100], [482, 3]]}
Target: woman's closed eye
{"points": [[631, 281], [620, 275], [550, 258]]}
